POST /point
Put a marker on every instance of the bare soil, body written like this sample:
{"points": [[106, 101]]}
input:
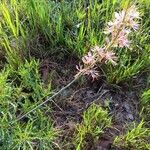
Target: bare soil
{"points": [[122, 102]]}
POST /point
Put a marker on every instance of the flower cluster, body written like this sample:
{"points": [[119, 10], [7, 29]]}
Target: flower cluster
{"points": [[122, 25], [95, 55], [117, 36]]}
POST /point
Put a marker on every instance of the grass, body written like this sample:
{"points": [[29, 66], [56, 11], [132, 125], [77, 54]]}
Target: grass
{"points": [[35, 28], [145, 102], [95, 121], [34, 131], [136, 138], [146, 97]]}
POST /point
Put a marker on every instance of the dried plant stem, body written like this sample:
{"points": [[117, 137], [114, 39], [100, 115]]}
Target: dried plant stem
{"points": [[48, 99]]}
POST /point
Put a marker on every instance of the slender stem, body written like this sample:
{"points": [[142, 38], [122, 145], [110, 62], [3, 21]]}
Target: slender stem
{"points": [[49, 99]]}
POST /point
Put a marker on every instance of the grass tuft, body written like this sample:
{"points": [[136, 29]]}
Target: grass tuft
{"points": [[95, 120], [136, 138]]}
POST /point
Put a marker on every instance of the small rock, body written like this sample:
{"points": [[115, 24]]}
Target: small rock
{"points": [[130, 116], [127, 107], [116, 105]]}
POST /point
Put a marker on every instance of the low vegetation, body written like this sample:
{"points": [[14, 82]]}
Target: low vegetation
{"points": [[76, 61], [136, 138], [95, 120]]}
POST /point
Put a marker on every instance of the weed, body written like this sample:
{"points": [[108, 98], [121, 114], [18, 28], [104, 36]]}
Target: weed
{"points": [[146, 97], [127, 67], [137, 60], [145, 103], [72, 27], [34, 131], [136, 138], [95, 120], [13, 34], [117, 37], [30, 79], [35, 134]]}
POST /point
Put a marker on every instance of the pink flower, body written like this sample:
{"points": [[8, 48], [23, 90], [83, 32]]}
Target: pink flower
{"points": [[88, 59], [132, 12], [133, 24], [123, 42], [122, 39], [123, 21], [117, 36], [131, 16], [81, 71], [93, 73], [87, 71], [99, 52], [110, 57], [119, 17], [95, 49]]}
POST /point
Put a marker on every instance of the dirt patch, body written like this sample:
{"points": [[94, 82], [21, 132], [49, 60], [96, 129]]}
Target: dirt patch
{"points": [[121, 101]]}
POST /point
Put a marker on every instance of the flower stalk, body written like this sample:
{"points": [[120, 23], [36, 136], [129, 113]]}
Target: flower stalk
{"points": [[117, 32], [117, 36]]}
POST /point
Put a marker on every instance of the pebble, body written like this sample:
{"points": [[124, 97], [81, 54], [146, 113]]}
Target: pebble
{"points": [[130, 116]]}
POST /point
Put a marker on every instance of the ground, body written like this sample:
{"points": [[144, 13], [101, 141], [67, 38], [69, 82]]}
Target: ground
{"points": [[122, 102]]}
